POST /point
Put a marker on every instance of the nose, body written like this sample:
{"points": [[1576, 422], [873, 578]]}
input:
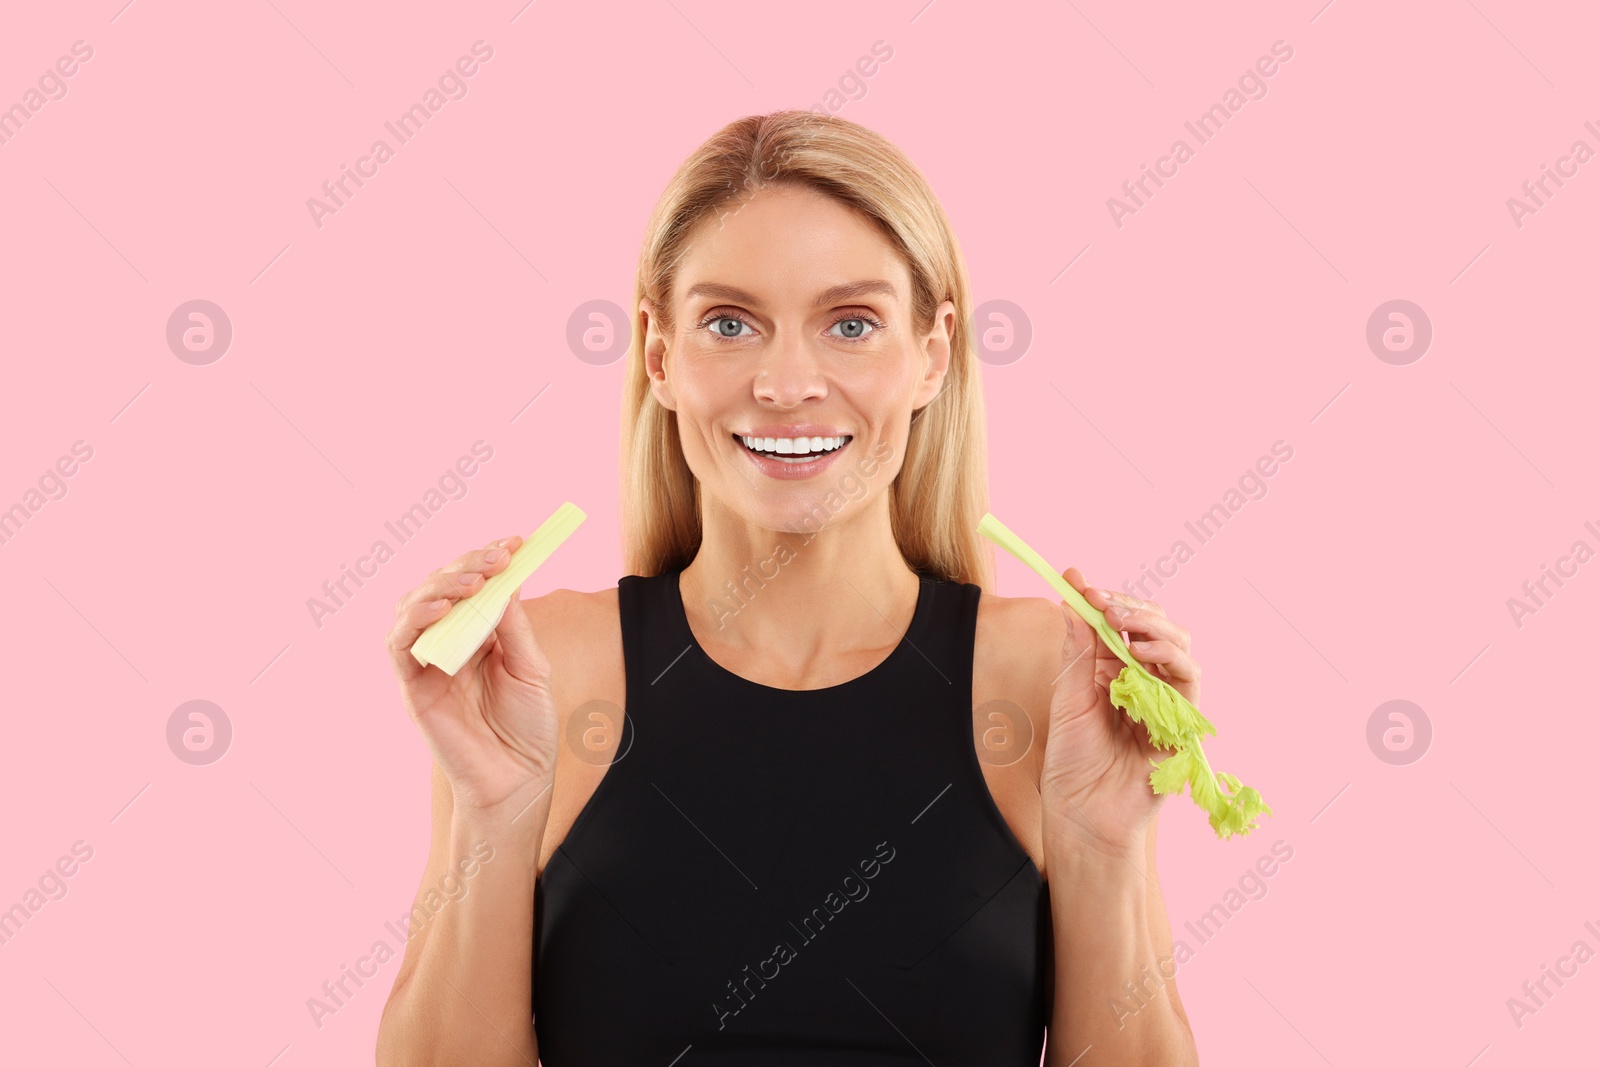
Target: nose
{"points": [[788, 372]]}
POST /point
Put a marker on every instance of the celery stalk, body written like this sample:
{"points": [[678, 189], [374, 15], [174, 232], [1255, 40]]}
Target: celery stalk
{"points": [[453, 639], [1173, 722]]}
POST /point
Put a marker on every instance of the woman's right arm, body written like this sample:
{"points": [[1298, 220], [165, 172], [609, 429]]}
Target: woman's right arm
{"points": [[464, 992]]}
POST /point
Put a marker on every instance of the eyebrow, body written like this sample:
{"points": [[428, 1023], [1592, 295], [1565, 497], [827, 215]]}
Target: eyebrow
{"points": [[837, 294]]}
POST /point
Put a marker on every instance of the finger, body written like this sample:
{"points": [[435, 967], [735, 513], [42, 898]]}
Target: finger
{"points": [[1099, 599], [1077, 651], [524, 659], [1087, 666], [1143, 622], [463, 575], [1128, 600], [440, 585], [470, 668], [1177, 662], [408, 627], [478, 560], [429, 602], [1074, 578], [1090, 593], [1129, 614]]}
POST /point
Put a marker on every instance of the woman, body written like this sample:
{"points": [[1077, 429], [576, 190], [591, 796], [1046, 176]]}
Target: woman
{"points": [[860, 810]]}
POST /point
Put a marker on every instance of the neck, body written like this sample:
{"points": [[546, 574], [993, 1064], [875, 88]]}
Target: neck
{"points": [[800, 597]]}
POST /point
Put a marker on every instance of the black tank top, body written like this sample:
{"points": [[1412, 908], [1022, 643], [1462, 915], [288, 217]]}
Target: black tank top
{"points": [[771, 877]]}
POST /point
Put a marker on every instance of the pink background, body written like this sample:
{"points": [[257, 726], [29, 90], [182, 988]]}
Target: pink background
{"points": [[1230, 312]]}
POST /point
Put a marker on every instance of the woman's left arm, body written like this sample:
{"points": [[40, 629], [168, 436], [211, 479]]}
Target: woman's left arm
{"points": [[1115, 996]]}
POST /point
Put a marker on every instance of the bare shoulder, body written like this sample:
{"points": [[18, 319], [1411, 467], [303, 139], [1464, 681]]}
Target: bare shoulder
{"points": [[1018, 647], [1016, 657], [577, 630], [1021, 626], [580, 634]]}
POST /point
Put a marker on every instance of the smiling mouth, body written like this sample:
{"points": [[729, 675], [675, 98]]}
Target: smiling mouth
{"points": [[792, 450]]}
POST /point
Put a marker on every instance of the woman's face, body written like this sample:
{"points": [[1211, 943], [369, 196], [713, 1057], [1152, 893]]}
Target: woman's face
{"points": [[793, 323]]}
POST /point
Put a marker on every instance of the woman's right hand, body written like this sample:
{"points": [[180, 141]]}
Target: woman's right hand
{"points": [[492, 726]]}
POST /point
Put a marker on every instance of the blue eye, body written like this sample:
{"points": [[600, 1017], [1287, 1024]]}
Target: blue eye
{"points": [[856, 327], [861, 326], [723, 330]]}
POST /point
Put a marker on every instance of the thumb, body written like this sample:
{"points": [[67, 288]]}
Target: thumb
{"points": [[524, 659], [1077, 665]]}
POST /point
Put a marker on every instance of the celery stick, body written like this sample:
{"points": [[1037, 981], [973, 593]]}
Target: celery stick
{"points": [[452, 640], [1173, 722]]}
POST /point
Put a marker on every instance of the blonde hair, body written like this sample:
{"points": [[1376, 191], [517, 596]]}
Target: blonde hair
{"points": [[941, 490]]}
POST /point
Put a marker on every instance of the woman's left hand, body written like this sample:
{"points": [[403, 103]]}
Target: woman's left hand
{"points": [[1095, 783]]}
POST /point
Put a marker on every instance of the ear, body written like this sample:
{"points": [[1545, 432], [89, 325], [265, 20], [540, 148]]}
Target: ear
{"points": [[936, 352], [655, 355]]}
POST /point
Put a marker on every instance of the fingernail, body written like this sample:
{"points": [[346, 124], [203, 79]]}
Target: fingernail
{"points": [[469, 578], [493, 555]]}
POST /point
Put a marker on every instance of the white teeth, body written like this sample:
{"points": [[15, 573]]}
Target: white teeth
{"points": [[793, 445]]}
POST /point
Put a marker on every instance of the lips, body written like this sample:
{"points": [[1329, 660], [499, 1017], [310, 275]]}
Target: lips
{"points": [[791, 465], [792, 449]]}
